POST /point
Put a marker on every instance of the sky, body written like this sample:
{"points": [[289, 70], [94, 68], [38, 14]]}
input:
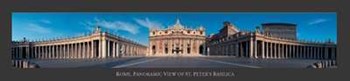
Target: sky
{"points": [[316, 26]]}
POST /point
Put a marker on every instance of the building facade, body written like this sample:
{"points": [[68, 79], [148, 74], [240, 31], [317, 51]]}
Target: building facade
{"points": [[280, 30], [266, 44], [95, 45], [177, 40]]}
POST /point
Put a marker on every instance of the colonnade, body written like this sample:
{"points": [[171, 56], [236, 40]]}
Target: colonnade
{"points": [[77, 50], [273, 50]]}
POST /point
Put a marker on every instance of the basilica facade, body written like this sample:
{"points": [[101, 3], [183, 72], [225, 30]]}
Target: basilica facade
{"points": [[177, 40]]}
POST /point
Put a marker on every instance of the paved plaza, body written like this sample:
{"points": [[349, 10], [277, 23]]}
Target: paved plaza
{"points": [[174, 62]]}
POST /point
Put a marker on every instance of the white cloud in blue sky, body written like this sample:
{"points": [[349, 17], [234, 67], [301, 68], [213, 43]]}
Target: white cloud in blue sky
{"points": [[33, 27], [149, 24], [45, 21], [317, 21], [113, 25]]}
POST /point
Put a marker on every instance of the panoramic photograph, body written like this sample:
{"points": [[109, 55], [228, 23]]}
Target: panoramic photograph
{"points": [[174, 40]]}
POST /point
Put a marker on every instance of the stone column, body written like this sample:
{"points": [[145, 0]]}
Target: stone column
{"points": [[41, 52], [49, 51], [103, 48], [113, 49], [320, 53], [52, 52], [316, 53], [255, 47], [88, 50], [313, 53], [278, 54], [299, 53], [325, 53], [59, 51], [126, 49], [118, 49], [83, 52], [21, 53], [290, 51], [56, 55], [286, 51], [64, 51], [283, 51], [36, 52], [45, 52], [75, 47], [251, 48], [263, 49], [269, 50], [67, 51], [33, 52], [302, 52], [274, 47], [70, 50], [305, 50], [17, 52], [310, 51], [92, 53], [236, 49], [108, 53], [245, 48], [53, 56], [47, 55], [78, 50], [334, 52], [43, 55], [296, 51], [130, 47], [281, 55], [272, 50]]}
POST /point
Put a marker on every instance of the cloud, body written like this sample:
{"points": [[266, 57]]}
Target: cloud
{"points": [[317, 21], [148, 23], [38, 28], [113, 25], [45, 21]]}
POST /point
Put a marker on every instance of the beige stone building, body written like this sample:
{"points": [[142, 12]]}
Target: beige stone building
{"points": [[276, 41], [177, 40], [98, 44]]}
